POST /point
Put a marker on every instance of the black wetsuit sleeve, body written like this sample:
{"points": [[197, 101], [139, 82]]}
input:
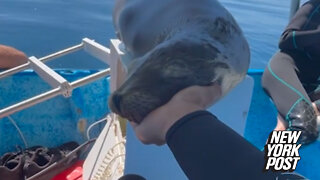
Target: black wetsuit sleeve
{"points": [[295, 39], [297, 35], [205, 148]]}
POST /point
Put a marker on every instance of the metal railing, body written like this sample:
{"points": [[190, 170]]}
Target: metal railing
{"points": [[60, 85]]}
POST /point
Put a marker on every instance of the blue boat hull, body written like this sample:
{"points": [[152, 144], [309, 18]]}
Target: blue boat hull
{"points": [[55, 121]]}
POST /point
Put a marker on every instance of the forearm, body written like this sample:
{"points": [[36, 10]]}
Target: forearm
{"points": [[298, 33], [292, 39], [10, 57], [205, 148]]}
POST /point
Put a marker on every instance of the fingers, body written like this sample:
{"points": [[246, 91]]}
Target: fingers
{"points": [[153, 128], [11, 57]]}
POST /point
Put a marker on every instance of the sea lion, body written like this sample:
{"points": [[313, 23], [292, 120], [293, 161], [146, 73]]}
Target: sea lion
{"points": [[175, 44]]}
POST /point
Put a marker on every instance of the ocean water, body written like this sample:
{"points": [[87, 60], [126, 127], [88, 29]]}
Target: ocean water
{"points": [[41, 27]]}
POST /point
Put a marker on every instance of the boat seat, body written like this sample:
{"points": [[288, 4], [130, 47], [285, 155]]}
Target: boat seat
{"points": [[158, 163]]}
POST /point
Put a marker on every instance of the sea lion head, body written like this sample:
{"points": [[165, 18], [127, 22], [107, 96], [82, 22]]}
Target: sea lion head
{"points": [[167, 69]]}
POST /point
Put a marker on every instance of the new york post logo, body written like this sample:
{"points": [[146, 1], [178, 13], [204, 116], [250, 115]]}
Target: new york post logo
{"points": [[282, 151]]}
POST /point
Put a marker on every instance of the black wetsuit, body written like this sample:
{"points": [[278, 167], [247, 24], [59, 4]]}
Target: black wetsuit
{"points": [[207, 149], [292, 73]]}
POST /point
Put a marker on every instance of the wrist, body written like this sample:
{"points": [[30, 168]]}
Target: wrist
{"points": [[177, 112]]}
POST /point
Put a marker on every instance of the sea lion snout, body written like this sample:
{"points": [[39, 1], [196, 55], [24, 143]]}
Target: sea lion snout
{"points": [[192, 43], [133, 105], [115, 102], [166, 70]]}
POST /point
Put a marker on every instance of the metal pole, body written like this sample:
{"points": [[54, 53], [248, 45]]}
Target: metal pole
{"points": [[43, 59], [29, 102], [295, 4], [50, 94], [62, 52], [90, 78]]}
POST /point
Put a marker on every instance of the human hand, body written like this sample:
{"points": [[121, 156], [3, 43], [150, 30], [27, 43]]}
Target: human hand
{"points": [[153, 128], [11, 57]]}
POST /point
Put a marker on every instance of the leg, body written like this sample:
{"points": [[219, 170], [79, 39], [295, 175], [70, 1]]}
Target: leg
{"points": [[281, 82]]}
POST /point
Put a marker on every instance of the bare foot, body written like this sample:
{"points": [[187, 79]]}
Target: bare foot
{"points": [[281, 124]]}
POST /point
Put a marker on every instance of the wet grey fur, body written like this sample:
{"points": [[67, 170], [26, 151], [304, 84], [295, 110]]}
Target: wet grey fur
{"points": [[174, 44]]}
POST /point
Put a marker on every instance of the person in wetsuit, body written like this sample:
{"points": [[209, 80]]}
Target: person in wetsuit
{"points": [[290, 78]]}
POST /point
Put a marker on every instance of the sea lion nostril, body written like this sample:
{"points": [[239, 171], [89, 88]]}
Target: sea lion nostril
{"points": [[116, 99]]}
